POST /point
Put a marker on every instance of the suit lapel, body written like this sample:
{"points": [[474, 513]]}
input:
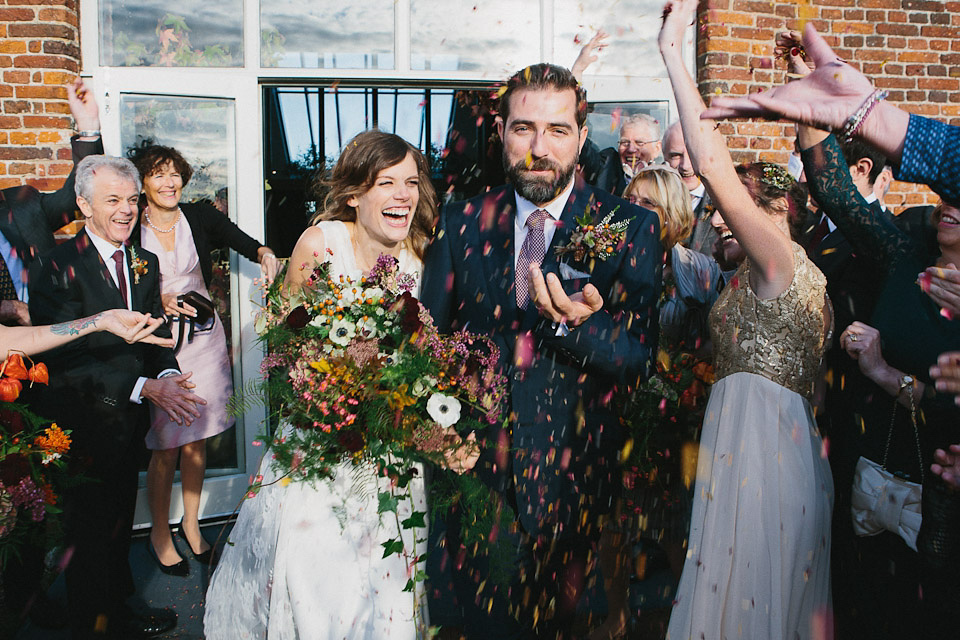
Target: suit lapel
{"points": [[136, 288], [496, 225], [98, 271]]}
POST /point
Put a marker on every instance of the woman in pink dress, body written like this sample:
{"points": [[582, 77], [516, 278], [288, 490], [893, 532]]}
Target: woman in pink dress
{"points": [[182, 236]]}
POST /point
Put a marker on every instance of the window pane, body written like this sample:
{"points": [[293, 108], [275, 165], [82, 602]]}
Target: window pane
{"points": [[453, 127], [497, 36], [603, 122], [171, 33], [327, 35], [202, 129], [633, 26]]}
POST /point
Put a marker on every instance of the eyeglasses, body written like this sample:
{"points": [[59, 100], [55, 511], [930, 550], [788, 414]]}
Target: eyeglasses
{"points": [[627, 143], [644, 202]]}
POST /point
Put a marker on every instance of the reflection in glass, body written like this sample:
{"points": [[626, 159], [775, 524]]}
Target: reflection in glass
{"points": [[327, 35], [604, 120], [171, 33], [307, 126], [632, 26], [202, 129], [497, 36]]}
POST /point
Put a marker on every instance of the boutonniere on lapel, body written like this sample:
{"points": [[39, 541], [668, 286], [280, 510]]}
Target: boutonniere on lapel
{"points": [[593, 240], [137, 264]]}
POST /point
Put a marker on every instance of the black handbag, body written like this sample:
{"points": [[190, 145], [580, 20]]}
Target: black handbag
{"points": [[203, 321]]}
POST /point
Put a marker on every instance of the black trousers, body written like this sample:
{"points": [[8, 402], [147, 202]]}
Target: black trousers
{"points": [[98, 515]]}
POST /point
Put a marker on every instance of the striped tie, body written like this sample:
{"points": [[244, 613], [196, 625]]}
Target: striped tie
{"points": [[532, 251]]}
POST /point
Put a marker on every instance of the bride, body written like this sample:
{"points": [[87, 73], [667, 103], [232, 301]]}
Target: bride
{"points": [[304, 560]]}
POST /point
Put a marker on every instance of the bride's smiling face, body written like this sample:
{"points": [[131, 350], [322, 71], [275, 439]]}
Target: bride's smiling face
{"points": [[386, 209]]}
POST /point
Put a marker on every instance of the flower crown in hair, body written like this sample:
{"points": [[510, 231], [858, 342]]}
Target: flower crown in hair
{"points": [[776, 176]]}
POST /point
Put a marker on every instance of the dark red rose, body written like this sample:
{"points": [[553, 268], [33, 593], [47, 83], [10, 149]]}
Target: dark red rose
{"points": [[350, 440], [409, 309], [11, 421], [13, 468], [298, 318]]}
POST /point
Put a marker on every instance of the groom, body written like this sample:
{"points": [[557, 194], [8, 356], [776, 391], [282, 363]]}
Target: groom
{"points": [[570, 332]]}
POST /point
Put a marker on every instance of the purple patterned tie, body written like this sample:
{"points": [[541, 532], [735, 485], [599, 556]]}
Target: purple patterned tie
{"points": [[121, 277], [532, 251]]}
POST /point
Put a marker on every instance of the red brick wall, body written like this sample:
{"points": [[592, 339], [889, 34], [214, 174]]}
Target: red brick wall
{"points": [[39, 55], [910, 47]]}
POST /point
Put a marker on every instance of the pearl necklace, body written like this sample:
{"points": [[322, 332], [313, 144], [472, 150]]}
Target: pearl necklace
{"points": [[158, 229]]}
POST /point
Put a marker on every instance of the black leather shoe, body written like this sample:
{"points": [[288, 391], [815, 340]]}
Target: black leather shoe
{"points": [[180, 570], [147, 623], [202, 558]]}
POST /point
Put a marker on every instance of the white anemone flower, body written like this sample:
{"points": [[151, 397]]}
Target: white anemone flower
{"points": [[445, 410], [373, 293], [349, 294], [342, 332], [367, 328]]}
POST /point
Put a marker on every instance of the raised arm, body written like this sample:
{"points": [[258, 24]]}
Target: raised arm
{"points": [[766, 244], [826, 98], [871, 233], [588, 54], [58, 207]]}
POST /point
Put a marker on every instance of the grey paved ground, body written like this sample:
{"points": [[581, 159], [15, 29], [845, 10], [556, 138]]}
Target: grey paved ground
{"points": [[183, 595]]}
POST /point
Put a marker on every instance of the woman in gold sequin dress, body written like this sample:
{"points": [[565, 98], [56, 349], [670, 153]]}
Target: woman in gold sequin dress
{"points": [[758, 559]]}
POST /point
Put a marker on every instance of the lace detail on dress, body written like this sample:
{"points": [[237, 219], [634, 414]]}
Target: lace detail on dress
{"points": [[869, 231], [781, 339]]}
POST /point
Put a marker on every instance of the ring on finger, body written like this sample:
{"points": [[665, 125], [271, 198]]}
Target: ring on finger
{"points": [[853, 337]]}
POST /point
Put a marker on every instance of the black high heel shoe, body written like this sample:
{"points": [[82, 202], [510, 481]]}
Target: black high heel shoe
{"points": [[180, 570], [202, 558]]}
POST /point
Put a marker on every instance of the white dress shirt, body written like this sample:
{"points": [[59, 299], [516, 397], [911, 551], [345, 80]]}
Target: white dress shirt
{"points": [[525, 208], [697, 195], [106, 251]]}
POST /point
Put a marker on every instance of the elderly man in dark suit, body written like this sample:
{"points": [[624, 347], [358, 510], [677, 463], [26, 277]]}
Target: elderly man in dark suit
{"points": [[571, 328], [704, 235], [97, 388]]}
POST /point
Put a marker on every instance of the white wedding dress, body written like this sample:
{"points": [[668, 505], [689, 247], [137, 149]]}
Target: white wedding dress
{"points": [[305, 560]]}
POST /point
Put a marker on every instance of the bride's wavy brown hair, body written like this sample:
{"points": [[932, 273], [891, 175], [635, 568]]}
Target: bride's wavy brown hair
{"points": [[361, 160]]}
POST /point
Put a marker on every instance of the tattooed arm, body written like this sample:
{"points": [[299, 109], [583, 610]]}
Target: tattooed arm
{"points": [[129, 325]]}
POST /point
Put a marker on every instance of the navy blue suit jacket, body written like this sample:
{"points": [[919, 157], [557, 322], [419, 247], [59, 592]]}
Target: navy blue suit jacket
{"points": [[556, 460]]}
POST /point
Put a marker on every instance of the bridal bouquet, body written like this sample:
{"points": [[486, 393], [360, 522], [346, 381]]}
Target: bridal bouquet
{"points": [[358, 368], [31, 457]]}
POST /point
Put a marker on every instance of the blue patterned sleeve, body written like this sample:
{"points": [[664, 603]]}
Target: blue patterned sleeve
{"points": [[931, 156], [871, 234]]}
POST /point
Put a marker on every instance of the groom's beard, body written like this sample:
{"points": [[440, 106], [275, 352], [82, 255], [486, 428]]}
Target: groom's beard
{"points": [[535, 189]]}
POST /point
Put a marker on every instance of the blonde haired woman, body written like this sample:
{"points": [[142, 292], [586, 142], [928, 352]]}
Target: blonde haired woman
{"points": [[691, 280]]}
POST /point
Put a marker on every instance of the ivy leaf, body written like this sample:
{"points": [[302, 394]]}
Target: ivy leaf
{"points": [[391, 547], [416, 519], [387, 502], [409, 586]]}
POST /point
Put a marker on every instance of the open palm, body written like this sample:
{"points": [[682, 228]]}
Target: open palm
{"points": [[825, 98]]}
